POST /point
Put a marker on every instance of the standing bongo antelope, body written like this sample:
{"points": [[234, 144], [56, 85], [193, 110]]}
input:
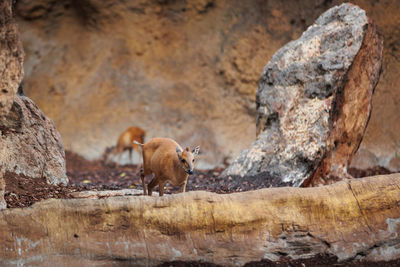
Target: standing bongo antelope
{"points": [[168, 161]]}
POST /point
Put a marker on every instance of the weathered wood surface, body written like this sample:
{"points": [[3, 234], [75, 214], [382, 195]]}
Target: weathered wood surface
{"points": [[355, 218]]}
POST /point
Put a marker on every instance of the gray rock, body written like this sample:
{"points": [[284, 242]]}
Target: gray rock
{"points": [[30, 143], [308, 97]]}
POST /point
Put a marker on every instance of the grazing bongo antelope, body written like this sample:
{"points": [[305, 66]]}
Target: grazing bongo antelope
{"points": [[125, 142], [169, 163]]}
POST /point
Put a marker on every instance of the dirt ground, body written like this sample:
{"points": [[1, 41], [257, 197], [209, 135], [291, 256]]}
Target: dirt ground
{"points": [[96, 175], [83, 175], [317, 261]]}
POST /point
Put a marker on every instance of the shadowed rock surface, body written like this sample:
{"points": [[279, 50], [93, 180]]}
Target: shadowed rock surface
{"points": [[11, 58], [354, 219], [314, 101], [29, 142]]}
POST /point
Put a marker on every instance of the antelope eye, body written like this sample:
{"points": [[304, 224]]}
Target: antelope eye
{"points": [[193, 160], [183, 161]]}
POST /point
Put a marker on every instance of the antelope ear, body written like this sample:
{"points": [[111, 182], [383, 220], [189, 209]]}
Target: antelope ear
{"points": [[196, 150], [178, 151]]}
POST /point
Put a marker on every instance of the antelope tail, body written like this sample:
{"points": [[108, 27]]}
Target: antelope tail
{"points": [[136, 142], [141, 147]]}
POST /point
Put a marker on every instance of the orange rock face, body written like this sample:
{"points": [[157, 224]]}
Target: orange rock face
{"points": [[182, 69]]}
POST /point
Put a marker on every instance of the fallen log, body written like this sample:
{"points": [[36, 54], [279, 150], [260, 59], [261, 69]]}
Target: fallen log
{"points": [[358, 218]]}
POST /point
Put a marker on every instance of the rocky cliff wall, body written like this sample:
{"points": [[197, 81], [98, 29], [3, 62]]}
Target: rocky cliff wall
{"points": [[184, 69]]}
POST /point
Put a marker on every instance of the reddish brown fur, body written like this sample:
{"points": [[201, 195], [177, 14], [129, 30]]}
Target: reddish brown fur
{"points": [[125, 141], [164, 157]]}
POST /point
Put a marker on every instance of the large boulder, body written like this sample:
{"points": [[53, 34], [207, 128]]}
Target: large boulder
{"points": [[354, 219], [30, 144], [314, 101], [29, 141]]}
